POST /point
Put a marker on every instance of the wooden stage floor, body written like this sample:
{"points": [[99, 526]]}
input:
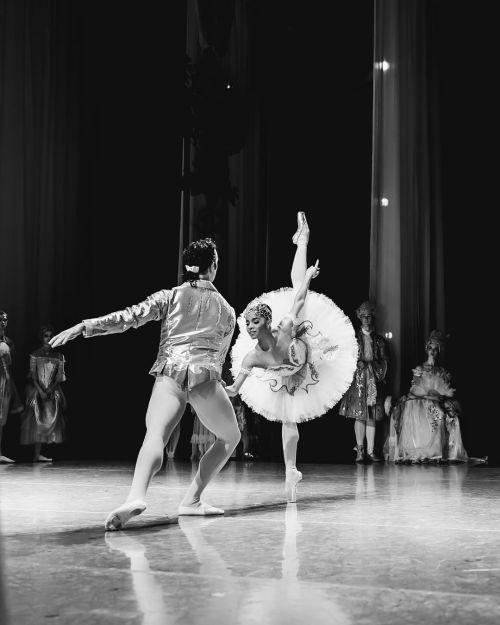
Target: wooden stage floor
{"points": [[364, 544]]}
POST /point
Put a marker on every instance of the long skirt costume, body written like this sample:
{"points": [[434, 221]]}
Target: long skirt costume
{"points": [[9, 397], [321, 361], [43, 419], [425, 423]]}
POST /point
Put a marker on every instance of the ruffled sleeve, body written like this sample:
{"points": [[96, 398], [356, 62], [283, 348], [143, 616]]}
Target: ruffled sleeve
{"points": [[153, 308]]}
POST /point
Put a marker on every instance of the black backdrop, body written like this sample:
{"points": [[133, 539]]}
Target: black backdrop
{"points": [[130, 66]]}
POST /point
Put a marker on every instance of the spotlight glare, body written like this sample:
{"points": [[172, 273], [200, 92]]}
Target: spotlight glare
{"points": [[384, 201]]}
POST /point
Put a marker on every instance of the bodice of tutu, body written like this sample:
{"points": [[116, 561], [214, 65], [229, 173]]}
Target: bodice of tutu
{"points": [[431, 380], [297, 358]]}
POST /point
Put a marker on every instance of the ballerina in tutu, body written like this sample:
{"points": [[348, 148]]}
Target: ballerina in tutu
{"points": [[300, 369]]}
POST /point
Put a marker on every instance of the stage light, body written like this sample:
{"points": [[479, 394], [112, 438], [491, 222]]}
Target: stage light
{"points": [[383, 65], [388, 335], [384, 201]]}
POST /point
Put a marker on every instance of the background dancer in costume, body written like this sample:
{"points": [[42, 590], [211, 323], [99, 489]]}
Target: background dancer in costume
{"points": [[299, 370], [43, 418], [425, 425], [196, 331], [364, 401], [9, 397]]}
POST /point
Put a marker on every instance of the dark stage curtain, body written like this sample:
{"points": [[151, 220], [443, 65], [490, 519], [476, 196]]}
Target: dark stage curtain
{"points": [[301, 109], [39, 129], [406, 267], [90, 166]]}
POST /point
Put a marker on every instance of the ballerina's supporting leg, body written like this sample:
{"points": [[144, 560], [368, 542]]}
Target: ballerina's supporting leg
{"points": [[165, 409], [290, 436], [215, 411]]}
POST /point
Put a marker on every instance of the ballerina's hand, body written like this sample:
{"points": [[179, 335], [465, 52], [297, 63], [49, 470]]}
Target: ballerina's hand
{"points": [[313, 271], [66, 335]]}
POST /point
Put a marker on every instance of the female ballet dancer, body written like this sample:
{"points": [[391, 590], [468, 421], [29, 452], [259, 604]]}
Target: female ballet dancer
{"points": [[196, 331], [300, 369]]}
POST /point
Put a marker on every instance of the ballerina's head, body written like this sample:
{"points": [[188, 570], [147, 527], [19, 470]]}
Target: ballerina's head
{"points": [[258, 317]]}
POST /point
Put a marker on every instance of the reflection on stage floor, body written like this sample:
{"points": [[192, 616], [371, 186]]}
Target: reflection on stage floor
{"points": [[363, 544]]}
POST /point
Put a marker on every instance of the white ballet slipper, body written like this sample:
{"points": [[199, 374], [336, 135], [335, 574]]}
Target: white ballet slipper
{"points": [[199, 509], [6, 460], [121, 515]]}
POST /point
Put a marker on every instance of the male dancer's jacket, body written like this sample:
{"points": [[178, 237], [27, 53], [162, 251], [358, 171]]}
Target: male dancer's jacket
{"points": [[197, 325]]}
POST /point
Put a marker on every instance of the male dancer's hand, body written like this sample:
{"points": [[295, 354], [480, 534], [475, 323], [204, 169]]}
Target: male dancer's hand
{"points": [[66, 335]]}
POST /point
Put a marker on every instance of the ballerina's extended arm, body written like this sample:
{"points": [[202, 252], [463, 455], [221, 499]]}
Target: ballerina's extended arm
{"points": [[300, 297], [246, 369]]}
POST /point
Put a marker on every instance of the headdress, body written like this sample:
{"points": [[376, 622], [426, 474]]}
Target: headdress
{"points": [[192, 268], [436, 337], [260, 309], [366, 308]]}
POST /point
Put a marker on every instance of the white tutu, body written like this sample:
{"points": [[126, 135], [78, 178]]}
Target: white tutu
{"points": [[332, 351]]}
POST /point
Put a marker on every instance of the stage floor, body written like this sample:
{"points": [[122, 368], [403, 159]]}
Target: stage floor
{"points": [[363, 545]]}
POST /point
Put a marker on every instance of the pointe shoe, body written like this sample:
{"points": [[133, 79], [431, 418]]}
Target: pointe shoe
{"points": [[371, 457], [302, 233], [5, 460], [293, 477]]}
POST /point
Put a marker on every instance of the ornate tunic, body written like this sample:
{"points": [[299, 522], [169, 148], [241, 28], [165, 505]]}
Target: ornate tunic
{"points": [[197, 325], [365, 398]]}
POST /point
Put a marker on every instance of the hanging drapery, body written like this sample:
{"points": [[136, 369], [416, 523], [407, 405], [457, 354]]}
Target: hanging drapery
{"points": [[225, 191], [38, 162], [406, 264]]}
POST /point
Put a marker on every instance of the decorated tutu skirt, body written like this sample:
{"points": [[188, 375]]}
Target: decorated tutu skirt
{"points": [[322, 358]]}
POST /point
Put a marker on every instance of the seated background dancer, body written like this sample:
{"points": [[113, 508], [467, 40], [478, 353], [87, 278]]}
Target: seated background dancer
{"points": [[197, 325], [425, 423], [300, 369]]}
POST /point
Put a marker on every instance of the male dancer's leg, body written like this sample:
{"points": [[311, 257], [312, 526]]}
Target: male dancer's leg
{"points": [[215, 411], [166, 407]]}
